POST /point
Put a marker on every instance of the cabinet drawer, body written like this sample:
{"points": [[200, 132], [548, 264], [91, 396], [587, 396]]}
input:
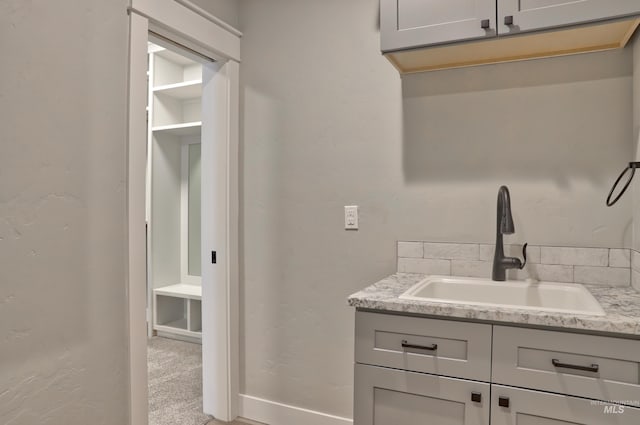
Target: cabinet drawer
{"points": [[441, 347], [590, 366], [395, 397]]}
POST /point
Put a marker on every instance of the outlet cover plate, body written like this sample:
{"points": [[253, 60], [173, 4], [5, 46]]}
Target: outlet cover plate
{"points": [[351, 217]]}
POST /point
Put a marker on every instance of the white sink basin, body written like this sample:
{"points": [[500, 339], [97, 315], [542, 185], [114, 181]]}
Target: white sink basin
{"points": [[539, 296]]}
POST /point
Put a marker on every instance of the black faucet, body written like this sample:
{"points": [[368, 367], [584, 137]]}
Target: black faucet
{"points": [[505, 226]]}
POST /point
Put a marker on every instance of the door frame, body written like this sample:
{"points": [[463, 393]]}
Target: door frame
{"points": [[193, 28]]}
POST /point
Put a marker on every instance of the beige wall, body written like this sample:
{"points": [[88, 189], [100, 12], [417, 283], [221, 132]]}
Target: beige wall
{"points": [[62, 212], [635, 188], [328, 122], [227, 10], [556, 132], [636, 141]]}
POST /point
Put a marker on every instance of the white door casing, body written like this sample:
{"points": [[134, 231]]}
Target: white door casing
{"points": [[136, 247], [202, 33]]}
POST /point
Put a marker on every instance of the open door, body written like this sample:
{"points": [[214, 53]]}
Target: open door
{"points": [[219, 210], [219, 243]]}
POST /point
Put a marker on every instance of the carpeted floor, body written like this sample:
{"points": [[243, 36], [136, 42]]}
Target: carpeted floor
{"points": [[175, 383]]}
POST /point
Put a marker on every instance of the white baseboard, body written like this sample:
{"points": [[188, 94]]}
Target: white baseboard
{"points": [[273, 413]]}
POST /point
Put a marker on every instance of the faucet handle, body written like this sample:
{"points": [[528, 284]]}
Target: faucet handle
{"points": [[524, 255]]}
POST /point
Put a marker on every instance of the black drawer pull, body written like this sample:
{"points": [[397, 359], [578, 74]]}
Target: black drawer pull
{"points": [[593, 368], [503, 401], [432, 347], [476, 397]]}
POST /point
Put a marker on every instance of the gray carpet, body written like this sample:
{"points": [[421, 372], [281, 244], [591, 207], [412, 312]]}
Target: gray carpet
{"points": [[175, 383]]}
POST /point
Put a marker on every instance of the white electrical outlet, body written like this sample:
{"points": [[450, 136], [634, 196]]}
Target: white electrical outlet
{"points": [[351, 217]]}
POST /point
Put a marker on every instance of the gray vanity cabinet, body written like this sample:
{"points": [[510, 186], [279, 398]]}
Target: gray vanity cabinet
{"points": [[386, 396], [412, 23], [532, 15], [527, 407], [408, 24], [412, 370]]}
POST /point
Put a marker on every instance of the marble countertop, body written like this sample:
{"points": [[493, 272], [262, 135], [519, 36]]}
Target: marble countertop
{"points": [[621, 304]]}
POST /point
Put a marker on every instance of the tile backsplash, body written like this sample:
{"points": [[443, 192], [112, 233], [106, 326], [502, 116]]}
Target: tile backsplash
{"points": [[603, 266]]}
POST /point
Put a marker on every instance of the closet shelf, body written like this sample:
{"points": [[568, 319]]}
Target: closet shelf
{"points": [[184, 90], [184, 129], [177, 324], [180, 290]]}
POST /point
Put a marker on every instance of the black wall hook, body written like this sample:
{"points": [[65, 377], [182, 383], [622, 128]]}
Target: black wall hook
{"points": [[632, 166]]}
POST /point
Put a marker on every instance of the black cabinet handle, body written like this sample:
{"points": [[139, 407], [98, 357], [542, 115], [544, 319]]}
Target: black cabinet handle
{"points": [[476, 397], [503, 401], [485, 24], [432, 347], [508, 20], [593, 368]]}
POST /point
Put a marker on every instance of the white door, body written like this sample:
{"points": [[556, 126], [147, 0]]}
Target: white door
{"points": [[514, 406], [386, 396], [531, 15], [219, 327], [414, 23]]}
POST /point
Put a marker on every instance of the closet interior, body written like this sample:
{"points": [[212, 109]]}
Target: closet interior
{"points": [[173, 196]]}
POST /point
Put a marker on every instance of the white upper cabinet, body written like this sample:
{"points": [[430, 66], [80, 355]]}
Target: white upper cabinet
{"points": [[410, 24], [413, 23], [515, 16]]}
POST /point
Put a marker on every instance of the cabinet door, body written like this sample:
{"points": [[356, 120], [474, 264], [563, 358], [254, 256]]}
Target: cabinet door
{"points": [[413, 23], [527, 407], [531, 15], [394, 397]]}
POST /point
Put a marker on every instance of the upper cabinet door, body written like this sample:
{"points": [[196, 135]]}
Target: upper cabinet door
{"points": [[405, 24], [516, 16]]}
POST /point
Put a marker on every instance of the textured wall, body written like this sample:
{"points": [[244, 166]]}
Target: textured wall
{"points": [[636, 141], [635, 187], [62, 212], [227, 10], [557, 132], [328, 122]]}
